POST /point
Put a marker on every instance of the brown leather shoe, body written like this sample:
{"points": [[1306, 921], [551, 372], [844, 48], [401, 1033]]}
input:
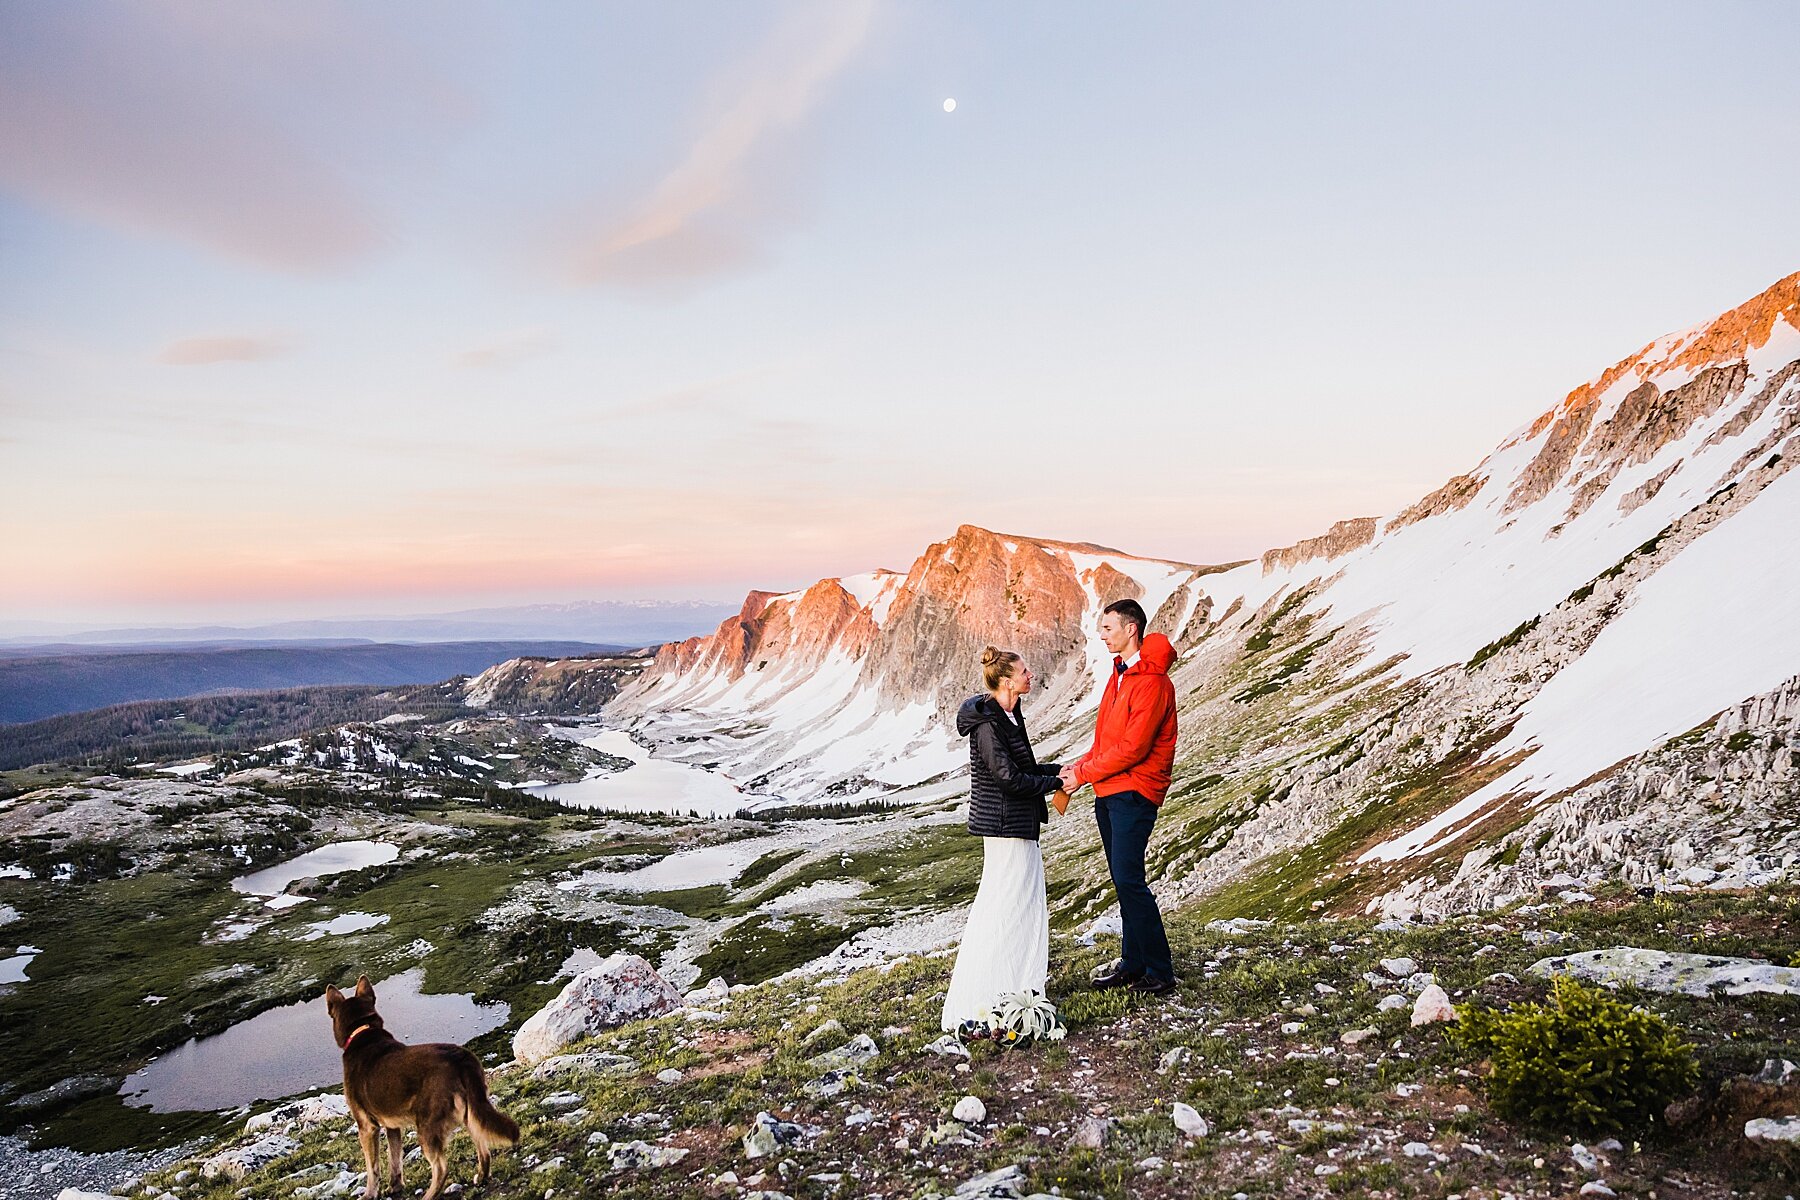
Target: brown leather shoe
{"points": [[1149, 985], [1116, 979]]}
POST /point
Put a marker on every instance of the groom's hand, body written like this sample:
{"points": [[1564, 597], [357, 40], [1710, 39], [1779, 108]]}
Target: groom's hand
{"points": [[1069, 782]]}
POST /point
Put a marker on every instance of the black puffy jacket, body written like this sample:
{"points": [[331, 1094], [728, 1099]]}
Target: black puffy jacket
{"points": [[1007, 784]]}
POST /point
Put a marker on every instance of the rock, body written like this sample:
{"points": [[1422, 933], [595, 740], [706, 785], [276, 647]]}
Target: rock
{"points": [[948, 1046], [1391, 1002], [831, 1083], [1610, 1145], [1291, 1027], [1104, 924], [831, 1028], [1584, 1158], [1407, 1091], [70, 1193], [1324, 989], [239, 1161], [715, 992], [341, 1184], [1662, 971], [1595, 1188], [669, 1075], [1774, 1131], [326, 1108], [1399, 968], [627, 1156], [1417, 982], [853, 1053], [560, 1101], [1698, 876], [588, 1062], [1237, 926], [1574, 897], [1173, 1058], [1432, 1006], [766, 1134], [1092, 1133], [1005, 1184], [970, 1110], [622, 988], [1776, 1071], [1391, 925], [1543, 937], [1351, 1037], [1188, 1120]]}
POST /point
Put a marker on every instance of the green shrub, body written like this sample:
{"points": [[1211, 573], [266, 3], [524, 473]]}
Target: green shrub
{"points": [[1584, 1063]]}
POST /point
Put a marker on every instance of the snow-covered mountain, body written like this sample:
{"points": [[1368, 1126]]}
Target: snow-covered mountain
{"points": [[1385, 715], [844, 688]]}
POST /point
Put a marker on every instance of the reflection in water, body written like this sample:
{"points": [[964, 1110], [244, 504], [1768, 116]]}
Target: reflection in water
{"points": [[290, 1049], [648, 785], [326, 860]]}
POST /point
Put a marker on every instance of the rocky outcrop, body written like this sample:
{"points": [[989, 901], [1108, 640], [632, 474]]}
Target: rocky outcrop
{"points": [[553, 685], [622, 988], [1452, 496], [1340, 539], [1662, 971]]}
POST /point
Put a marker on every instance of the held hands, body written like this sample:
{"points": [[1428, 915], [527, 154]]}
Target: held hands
{"points": [[1069, 782]]}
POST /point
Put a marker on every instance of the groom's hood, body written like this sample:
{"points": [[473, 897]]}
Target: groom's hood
{"points": [[1156, 655]]}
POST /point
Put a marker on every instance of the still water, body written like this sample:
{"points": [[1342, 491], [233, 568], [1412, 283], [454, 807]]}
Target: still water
{"points": [[290, 1049], [647, 785]]}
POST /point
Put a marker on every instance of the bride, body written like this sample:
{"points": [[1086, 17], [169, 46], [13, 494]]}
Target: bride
{"points": [[1006, 946]]}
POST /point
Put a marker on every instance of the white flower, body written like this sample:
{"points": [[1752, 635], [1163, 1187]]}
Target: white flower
{"points": [[1026, 1016]]}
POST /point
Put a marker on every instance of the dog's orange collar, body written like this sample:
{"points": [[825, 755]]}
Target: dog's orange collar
{"points": [[354, 1032]]}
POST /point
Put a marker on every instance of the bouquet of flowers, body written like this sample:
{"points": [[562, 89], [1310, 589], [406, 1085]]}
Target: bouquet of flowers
{"points": [[1019, 1017]]}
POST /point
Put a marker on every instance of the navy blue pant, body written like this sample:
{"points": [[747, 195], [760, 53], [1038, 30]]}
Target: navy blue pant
{"points": [[1125, 819]]}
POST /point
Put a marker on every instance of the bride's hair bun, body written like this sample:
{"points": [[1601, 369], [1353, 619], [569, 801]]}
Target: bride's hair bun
{"points": [[996, 664]]}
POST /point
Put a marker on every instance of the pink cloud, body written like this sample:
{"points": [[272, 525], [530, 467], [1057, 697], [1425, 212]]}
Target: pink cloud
{"points": [[203, 351], [206, 123], [713, 210]]}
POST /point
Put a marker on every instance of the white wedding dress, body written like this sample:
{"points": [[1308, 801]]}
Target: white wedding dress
{"points": [[1006, 945]]}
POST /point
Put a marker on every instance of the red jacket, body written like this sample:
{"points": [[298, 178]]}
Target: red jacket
{"points": [[1134, 737]]}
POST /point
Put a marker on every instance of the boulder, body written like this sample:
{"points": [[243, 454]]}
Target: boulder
{"points": [[1774, 1131], [853, 1053], [1092, 1133], [239, 1161], [1399, 968], [970, 1110], [1188, 1120], [1663, 971], [628, 1156], [586, 1063], [622, 988], [767, 1134], [1432, 1006]]}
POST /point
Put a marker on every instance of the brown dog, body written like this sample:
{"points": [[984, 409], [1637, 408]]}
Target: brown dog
{"points": [[434, 1088]]}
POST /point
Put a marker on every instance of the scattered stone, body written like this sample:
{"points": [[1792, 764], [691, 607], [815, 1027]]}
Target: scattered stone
{"points": [[1575, 897], [1324, 989], [1092, 1133], [715, 992], [1188, 1120], [1391, 1002], [831, 1083], [1774, 1131], [1595, 1188], [1391, 925], [1486, 951], [766, 1134], [326, 1108], [1107, 923], [970, 1110], [948, 1046], [1662, 971], [1236, 926], [1610, 1145], [1399, 968], [1698, 876], [558, 1101], [340, 1184], [1432, 1006], [1173, 1058], [1351, 1037], [1584, 1158], [628, 1156], [1292, 1027], [1005, 1184], [239, 1161], [1543, 937], [669, 1075], [623, 987], [1418, 1150], [1776, 1071], [1417, 982], [588, 1062], [831, 1028], [853, 1053]]}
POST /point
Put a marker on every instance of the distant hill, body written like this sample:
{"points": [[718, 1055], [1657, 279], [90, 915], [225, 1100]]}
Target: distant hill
{"points": [[608, 622], [35, 685]]}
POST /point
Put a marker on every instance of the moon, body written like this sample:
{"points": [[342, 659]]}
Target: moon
{"points": [[950, 104]]}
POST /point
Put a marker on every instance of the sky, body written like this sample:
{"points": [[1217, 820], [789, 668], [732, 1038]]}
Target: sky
{"points": [[328, 309]]}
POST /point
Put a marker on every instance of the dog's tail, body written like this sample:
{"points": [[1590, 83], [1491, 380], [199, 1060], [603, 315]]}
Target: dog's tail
{"points": [[486, 1123]]}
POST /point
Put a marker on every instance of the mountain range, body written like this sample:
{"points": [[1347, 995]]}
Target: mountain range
{"points": [[1576, 660]]}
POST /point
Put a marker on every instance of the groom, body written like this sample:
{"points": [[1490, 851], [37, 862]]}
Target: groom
{"points": [[1129, 766]]}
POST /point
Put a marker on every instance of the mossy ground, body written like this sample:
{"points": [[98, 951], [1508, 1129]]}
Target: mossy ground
{"points": [[1294, 1112]]}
